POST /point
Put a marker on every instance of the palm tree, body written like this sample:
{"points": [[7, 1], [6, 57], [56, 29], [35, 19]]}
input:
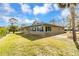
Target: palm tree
{"points": [[72, 11]]}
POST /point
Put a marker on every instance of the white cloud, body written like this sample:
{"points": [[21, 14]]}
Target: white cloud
{"points": [[65, 12], [20, 20], [5, 19], [29, 21], [8, 8], [26, 8], [42, 9], [26, 21], [56, 7]]}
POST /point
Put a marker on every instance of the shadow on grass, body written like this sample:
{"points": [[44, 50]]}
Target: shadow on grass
{"points": [[34, 37], [77, 45]]}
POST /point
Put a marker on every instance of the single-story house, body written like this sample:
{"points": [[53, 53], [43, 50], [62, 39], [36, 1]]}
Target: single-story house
{"points": [[43, 29]]}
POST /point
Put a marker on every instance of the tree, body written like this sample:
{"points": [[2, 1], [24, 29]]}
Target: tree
{"points": [[72, 11], [13, 27], [53, 21], [77, 25], [3, 31], [69, 25]]}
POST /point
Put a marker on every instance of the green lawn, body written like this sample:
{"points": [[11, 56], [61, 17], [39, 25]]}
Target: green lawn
{"points": [[16, 45]]}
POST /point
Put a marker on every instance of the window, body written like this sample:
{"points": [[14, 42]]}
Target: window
{"points": [[39, 28], [48, 29], [33, 28]]}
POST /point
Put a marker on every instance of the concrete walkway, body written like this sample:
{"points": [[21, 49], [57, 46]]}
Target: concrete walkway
{"points": [[61, 36]]}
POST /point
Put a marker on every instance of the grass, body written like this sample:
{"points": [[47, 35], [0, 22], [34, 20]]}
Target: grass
{"points": [[57, 46], [15, 45]]}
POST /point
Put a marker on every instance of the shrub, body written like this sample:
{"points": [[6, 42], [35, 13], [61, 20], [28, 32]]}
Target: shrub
{"points": [[3, 31]]}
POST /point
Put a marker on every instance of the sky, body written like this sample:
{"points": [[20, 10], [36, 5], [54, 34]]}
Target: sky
{"points": [[27, 13]]}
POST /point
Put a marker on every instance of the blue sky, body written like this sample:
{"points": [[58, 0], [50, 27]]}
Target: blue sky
{"points": [[28, 13]]}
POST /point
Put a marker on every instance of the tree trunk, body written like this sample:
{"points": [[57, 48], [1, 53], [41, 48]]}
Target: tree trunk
{"points": [[73, 30], [72, 10]]}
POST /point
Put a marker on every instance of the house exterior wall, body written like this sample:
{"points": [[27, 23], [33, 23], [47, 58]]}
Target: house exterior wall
{"points": [[54, 30], [57, 29]]}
